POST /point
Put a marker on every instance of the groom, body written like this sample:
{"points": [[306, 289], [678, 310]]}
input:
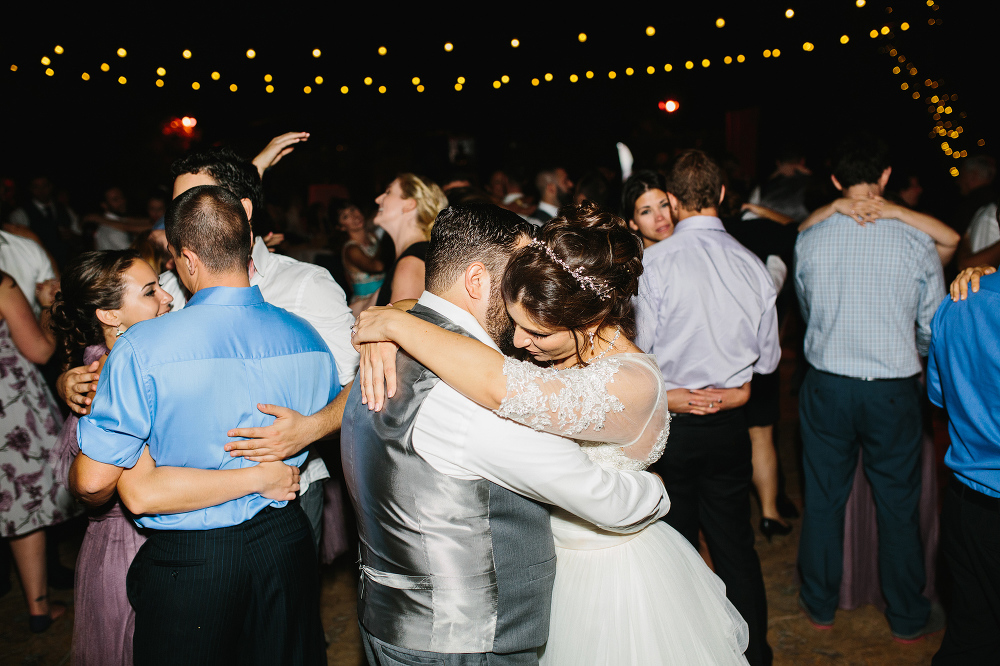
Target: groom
{"points": [[457, 558]]}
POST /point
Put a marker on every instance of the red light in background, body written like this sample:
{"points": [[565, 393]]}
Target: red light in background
{"points": [[671, 105]]}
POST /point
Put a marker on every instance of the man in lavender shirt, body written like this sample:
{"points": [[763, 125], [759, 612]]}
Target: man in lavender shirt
{"points": [[706, 310]]}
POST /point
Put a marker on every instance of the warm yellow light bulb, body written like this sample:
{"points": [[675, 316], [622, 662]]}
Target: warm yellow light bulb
{"points": [[251, 54], [904, 26], [269, 89], [629, 71], [186, 53], [775, 53], [515, 43], [105, 66], [589, 74], [808, 46], [844, 39], [548, 76], [159, 83], [573, 78], [318, 80], [461, 79], [317, 53], [420, 88], [458, 86], [233, 87], [85, 76], [197, 85], [720, 22], [59, 50], [382, 50], [122, 53], [767, 53], [368, 80], [650, 69], [728, 60], [789, 13], [505, 79], [668, 67], [650, 31], [267, 78], [689, 65], [706, 62], [160, 71], [741, 58], [611, 75], [535, 82], [448, 46], [216, 76], [307, 90], [582, 37], [415, 80], [343, 90], [49, 72], [46, 61]]}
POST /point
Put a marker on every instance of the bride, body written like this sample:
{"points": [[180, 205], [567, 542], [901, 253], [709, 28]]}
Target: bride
{"points": [[643, 598]]}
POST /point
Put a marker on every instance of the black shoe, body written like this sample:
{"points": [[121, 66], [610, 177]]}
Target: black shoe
{"points": [[769, 528], [786, 508], [60, 577]]}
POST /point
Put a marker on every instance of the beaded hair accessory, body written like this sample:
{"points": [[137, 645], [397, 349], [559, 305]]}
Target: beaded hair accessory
{"points": [[603, 291]]}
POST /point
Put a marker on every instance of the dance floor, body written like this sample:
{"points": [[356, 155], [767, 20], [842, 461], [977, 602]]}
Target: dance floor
{"points": [[858, 637]]}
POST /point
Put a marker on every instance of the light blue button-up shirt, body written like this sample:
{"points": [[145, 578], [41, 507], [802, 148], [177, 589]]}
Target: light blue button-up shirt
{"points": [[180, 383], [868, 294], [705, 308]]}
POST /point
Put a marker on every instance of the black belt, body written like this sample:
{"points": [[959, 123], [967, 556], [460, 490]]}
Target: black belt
{"points": [[974, 496], [866, 379]]}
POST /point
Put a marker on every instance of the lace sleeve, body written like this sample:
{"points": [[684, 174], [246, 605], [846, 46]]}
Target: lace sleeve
{"points": [[618, 400]]}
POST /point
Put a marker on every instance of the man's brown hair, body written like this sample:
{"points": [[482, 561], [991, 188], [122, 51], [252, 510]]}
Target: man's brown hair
{"points": [[696, 181]]}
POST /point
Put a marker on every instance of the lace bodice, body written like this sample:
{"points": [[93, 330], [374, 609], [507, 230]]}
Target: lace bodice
{"points": [[616, 408]]}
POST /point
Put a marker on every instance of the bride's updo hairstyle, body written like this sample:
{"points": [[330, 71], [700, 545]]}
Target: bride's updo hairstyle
{"points": [[92, 281], [582, 269]]}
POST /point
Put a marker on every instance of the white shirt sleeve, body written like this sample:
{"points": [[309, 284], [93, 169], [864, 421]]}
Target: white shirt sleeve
{"points": [[464, 440], [984, 230], [322, 303]]}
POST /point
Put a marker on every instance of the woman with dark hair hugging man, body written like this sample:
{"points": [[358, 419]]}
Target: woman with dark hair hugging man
{"points": [[643, 598]]}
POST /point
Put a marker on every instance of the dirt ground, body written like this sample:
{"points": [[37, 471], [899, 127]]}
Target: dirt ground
{"points": [[859, 637]]}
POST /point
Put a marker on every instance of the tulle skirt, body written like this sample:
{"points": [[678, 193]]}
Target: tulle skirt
{"points": [[643, 599]]}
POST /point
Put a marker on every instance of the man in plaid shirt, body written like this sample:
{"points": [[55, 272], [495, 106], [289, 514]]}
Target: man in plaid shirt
{"points": [[868, 294]]}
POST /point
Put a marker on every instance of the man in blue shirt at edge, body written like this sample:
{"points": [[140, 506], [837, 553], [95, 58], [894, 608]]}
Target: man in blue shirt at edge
{"points": [[962, 371], [237, 582]]}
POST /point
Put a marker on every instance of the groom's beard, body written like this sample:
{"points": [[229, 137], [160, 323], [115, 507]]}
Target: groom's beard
{"points": [[499, 324]]}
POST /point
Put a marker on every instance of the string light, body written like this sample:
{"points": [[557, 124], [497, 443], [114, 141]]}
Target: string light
{"points": [[233, 87], [317, 53], [13, 68], [582, 37], [307, 90], [573, 78], [689, 65], [808, 46], [767, 53], [448, 46], [728, 60], [497, 84], [535, 82], [49, 72], [775, 53], [186, 53], [873, 34], [548, 76], [59, 50], [741, 58], [650, 70], [789, 13], [720, 22], [884, 30], [650, 31], [629, 71], [122, 80], [122, 53], [343, 90], [216, 76], [46, 61], [267, 78], [159, 82], [706, 62], [85, 76], [612, 74], [368, 80], [197, 85], [382, 50], [420, 88], [160, 71], [844, 39], [415, 80], [589, 74], [515, 43], [318, 80], [904, 26], [269, 89], [105, 66], [461, 79], [458, 86], [251, 54], [505, 79], [860, 3]]}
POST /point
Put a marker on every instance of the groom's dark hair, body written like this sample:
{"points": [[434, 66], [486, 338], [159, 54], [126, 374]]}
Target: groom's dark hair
{"points": [[468, 233]]}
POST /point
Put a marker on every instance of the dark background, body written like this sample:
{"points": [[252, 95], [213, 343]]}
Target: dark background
{"points": [[89, 134]]}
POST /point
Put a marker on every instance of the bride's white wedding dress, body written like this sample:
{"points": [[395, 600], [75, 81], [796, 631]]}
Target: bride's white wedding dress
{"points": [[644, 598]]}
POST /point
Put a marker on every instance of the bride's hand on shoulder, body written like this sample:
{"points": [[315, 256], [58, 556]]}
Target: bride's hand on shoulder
{"points": [[377, 369], [373, 325]]}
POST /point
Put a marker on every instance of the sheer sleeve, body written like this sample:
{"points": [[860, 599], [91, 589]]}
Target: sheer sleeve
{"points": [[617, 400]]}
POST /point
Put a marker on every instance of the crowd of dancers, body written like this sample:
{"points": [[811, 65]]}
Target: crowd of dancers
{"points": [[504, 371]]}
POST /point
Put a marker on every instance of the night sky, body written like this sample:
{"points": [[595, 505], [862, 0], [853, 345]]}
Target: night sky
{"points": [[88, 134]]}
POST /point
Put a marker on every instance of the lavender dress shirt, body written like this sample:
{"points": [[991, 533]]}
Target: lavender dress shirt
{"points": [[705, 308]]}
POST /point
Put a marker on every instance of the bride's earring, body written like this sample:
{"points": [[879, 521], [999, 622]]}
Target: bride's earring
{"points": [[591, 334], [119, 331]]}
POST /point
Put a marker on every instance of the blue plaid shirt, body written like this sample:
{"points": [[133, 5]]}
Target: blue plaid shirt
{"points": [[868, 294]]}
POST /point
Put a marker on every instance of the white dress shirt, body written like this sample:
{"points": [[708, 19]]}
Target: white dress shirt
{"points": [[109, 238], [983, 230], [464, 440], [25, 261]]}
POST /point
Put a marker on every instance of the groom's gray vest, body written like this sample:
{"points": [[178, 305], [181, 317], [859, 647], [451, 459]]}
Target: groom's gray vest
{"points": [[447, 565]]}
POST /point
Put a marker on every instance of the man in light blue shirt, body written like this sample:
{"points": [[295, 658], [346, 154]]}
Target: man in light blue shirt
{"points": [[868, 294], [962, 376], [237, 582]]}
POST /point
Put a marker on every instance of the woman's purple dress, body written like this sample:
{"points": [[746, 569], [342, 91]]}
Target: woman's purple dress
{"points": [[104, 619]]}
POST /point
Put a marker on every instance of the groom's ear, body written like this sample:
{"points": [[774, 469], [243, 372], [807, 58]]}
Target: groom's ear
{"points": [[477, 281]]}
